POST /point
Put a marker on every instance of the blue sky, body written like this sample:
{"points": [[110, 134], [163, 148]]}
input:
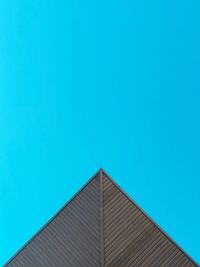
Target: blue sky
{"points": [[90, 84]]}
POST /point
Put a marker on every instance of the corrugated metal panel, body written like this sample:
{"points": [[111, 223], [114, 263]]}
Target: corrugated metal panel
{"points": [[72, 238], [131, 238], [101, 227]]}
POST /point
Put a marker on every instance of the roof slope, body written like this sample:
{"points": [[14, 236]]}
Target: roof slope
{"points": [[71, 238], [131, 238], [101, 226]]}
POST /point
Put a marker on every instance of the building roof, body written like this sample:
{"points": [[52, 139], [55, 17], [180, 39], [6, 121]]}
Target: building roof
{"points": [[101, 226]]}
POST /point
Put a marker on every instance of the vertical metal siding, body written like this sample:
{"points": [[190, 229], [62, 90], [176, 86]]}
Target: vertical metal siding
{"points": [[131, 238], [71, 239]]}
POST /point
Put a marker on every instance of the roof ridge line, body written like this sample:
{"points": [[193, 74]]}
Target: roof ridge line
{"points": [[53, 217], [101, 211], [148, 217]]}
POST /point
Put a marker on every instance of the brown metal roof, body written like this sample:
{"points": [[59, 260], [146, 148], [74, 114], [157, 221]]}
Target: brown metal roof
{"points": [[101, 226]]}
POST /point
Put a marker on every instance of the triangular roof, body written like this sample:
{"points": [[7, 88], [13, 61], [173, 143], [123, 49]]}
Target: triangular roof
{"points": [[101, 226]]}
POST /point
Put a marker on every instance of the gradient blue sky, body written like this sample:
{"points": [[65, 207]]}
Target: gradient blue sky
{"points": [[90, 84]]}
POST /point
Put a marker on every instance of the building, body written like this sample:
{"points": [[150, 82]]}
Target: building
{"points": [[101, 226]]}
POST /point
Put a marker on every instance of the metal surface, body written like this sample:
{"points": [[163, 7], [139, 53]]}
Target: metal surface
{"points": [[131, 238], [71, 238], [101, 227]]}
